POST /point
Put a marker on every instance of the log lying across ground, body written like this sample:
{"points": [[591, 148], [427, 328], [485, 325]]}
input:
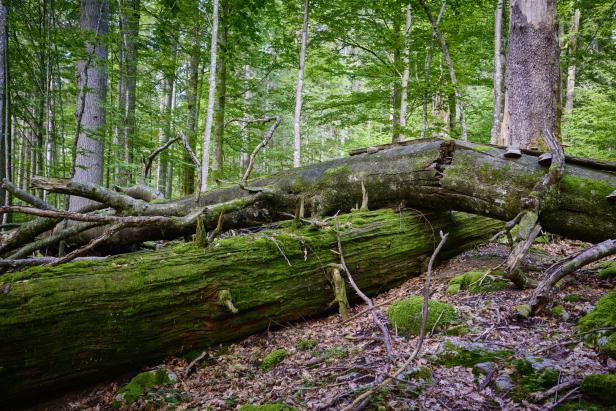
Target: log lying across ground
{"points": [[84, 321]]}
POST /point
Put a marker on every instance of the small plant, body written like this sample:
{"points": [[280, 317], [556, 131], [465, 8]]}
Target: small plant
{"points": [[273, 359], [306, 344]]}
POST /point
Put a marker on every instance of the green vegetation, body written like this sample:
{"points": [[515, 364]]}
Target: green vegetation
{"points": [[607, 270], [573, 298], [141, 383], [477, 282], [451, 354], [307, 344], [267, 407], [602, 319], [531, 379], [405, 315], [274, 358], [600, 388]]}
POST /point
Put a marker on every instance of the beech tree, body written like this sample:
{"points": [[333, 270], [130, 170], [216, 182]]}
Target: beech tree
{"points": [[92, 83], [532, 107]]}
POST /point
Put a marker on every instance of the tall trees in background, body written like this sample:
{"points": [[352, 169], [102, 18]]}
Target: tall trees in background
{"points": [[4, 136], [297, 117], [221, 90], [499, 72], [90, 108], [210, 99], [404, 91], [533, 74], [573, 34], [459, 107]]}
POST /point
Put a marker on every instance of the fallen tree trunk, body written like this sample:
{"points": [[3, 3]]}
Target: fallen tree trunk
{"points": [[66, 325], [429, 173]]}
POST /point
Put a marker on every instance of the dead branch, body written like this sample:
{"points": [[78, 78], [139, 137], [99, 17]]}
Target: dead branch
{"points": [[542, 396], [190, 151], [363, 296], [263, 143], [566, 266], [52, 239], [215, 232], [147, 161], [562, 399], [424, 318], [527, 220], [25, 196], [90, 218], [91, 245]]}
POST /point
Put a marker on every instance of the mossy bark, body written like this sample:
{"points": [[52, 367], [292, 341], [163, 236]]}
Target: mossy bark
{"points": [[67, 325]]}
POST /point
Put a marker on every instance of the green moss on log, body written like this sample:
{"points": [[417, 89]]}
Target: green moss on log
{"points": [[600, 388], [82, 321]]}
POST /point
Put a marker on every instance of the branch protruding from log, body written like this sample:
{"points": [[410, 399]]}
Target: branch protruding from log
{"points": [[147, 161], [251, 159], [540, 295], [91, 245], [25, 196], [90, 218]]}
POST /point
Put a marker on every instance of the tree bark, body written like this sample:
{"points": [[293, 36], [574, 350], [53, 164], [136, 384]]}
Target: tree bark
{"points": [[499, 73], [297, 117], [92, 84], [128, 311], [533, 74], [193, 111], [573, 33], [428, 66], [205, 164], [406, 72], [221, 91], [5, 148]]}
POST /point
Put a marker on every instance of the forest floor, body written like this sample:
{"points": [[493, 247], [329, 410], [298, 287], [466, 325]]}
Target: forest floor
{"points": [[329, 362]]}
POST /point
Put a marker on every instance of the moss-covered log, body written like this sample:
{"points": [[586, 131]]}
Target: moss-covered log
{"points": [[79, 322]]}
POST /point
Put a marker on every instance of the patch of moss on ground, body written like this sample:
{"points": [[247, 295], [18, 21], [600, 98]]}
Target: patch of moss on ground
{"points": [[453, 355], [421, 373], [581, 405], [140, 384], [335, 352], [573, 298], [607, 270], [405, 315], [529, 380], [603, 316], [600, 388], [474, 282], [306, 344], [267, 407], [273, 359]]}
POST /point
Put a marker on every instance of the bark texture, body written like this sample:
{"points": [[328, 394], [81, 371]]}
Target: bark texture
{"points": [[499, 72], [533, 74], [67, 325], [297, 117], [92, 83], [573, 33]]}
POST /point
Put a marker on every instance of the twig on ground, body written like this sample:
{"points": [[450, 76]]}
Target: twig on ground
{"points": [[366, 395], [562, 399], [360, 293], [367, 310], [541, 396], [194, 362]]}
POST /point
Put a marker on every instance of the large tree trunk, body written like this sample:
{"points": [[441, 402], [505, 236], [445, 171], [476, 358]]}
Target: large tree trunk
{"points": [[533, 74], [5, 147], [92, 82], [88, 320], [193, 111]]}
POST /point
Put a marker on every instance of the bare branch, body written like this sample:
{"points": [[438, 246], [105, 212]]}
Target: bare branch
{"points": [[147, 162], [25, 196], [91, 245], [91, 218], [263, 143]]}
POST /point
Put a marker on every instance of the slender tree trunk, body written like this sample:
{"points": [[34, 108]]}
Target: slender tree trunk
{"points": [[131, 35], [573, 34], [397, 89], [193, 112], [430, 53], [405, 74], [210, 99], [297, 118], [452, 73], [499, 73], [4, 139], [221, 89], [533, 74], [161, 171], [92, 84]]}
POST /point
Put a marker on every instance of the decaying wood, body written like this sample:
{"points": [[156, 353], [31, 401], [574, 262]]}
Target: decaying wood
{"points": [[429, 173], [127, 311], [567, 266]]}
